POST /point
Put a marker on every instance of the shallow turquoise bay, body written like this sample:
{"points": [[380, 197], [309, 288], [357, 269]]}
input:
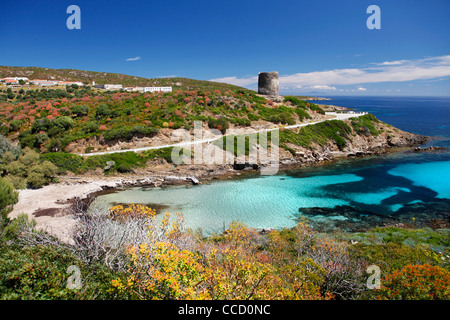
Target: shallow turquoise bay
{"points": [[402, 185]]}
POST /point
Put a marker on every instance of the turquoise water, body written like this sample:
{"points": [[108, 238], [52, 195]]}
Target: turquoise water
{"points": [[433, 175], [265, 202], [350, 194]]}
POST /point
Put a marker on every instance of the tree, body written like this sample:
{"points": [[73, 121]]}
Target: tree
{"points": [[8, 197], [103, 111], [40, 138], [6, 145], [64, 122], [41, 174], [29, 157], [41, 125], [80, 111], [90, 127]]}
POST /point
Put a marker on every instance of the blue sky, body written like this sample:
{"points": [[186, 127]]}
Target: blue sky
{"points": [[319, 47]]}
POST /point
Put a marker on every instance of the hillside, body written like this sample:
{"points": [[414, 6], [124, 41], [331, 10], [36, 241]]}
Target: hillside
{"points": [[52, 126], [107, 77], [51, 119]]}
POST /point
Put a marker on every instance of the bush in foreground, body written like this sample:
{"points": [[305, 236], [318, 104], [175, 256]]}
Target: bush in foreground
{"points": [[416, 282]]}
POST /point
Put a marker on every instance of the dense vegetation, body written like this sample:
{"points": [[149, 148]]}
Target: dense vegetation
{"points": [[48, 121], [52, 122], [149, 258], [123, 162], [320, 133]]}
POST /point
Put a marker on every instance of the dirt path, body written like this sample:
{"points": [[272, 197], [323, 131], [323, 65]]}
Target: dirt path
{"points": [[334, 116]]}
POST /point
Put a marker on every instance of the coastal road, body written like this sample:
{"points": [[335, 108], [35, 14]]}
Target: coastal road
{"points": [[337, 116]]}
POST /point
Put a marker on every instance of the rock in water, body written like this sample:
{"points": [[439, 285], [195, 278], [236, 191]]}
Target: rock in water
{"points": [[268, 83]]}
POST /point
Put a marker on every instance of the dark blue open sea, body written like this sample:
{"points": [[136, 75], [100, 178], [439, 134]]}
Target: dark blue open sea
{"points": [[407, 187]]}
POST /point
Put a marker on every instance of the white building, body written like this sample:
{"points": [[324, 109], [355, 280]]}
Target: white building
{"points": [[44, 83], [149, 89], [141, 89], [16, 78], [109, 86], [157, 89], [69, 83]]}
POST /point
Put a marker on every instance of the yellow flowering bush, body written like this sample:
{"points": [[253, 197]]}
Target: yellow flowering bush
{"points": [[173, 264], [133, 211]]}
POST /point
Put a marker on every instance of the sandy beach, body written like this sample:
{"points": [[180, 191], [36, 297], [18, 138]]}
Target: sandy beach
{"points": [[50, 206]]}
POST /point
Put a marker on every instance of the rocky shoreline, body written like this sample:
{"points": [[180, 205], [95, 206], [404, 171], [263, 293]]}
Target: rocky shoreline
{"points": [[51, 206]]}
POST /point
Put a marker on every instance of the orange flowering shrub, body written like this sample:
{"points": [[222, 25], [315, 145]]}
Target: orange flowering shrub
{"points": [[416, 282], [172, 273]]}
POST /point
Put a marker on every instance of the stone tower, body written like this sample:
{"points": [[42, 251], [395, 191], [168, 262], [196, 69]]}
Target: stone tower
{"points": [[268, 83]]}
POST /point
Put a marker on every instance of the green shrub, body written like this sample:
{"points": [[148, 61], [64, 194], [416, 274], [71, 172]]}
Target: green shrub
{"points": [[64, 161], [220, 124], [14, 125], [6, 158], [17, 182], [54, 145], [40, 138], [335, 130], [163, 153], [54, 131], [316, 108], [90, 127], [296, 101], [281, 114], [63, 122], [302, 114], [253, 117], [240, 121], [41, 125], [8, 197], [13, 227], [102, 111], [6, 145], [16, 168], [29, 157], [254, 138], [80, 111], [124, 160], [41, 174], [424, 236], [282, 117], [127, 133], [124, 168], [365, 124], [26, 139], [40, 273], [392, 256]]}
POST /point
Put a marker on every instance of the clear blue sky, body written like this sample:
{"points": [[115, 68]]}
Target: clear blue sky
{"points": [[318, 47]]}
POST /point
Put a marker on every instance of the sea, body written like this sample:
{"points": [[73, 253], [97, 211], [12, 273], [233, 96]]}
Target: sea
{"points": [[407, 187]]}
